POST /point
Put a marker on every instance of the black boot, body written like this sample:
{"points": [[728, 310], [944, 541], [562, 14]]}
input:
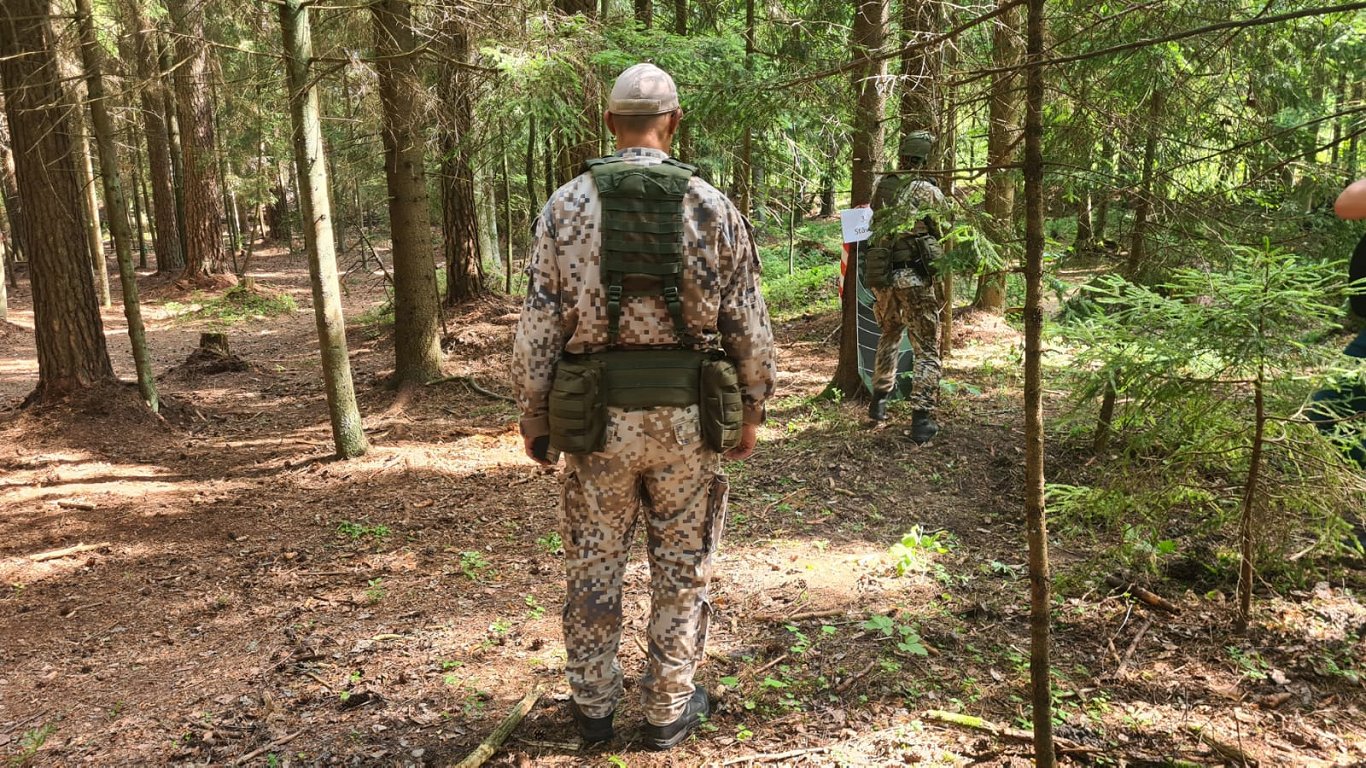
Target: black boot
{"points": [[877, 409], [592, 729], [662, 737], [923, 428]]}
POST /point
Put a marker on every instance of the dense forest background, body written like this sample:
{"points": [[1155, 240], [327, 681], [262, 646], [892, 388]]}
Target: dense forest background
{"points": [[179, 178]]}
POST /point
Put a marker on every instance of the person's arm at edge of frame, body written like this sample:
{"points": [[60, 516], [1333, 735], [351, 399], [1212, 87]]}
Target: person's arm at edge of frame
{"points": [[746, 333], [1351, 203], [539, 340]]}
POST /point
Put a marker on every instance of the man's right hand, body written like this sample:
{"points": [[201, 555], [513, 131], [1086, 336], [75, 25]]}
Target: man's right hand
{"points": [[538, 450], [749, 437]]}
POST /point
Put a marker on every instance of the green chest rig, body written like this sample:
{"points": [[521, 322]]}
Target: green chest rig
{"points": [[642, 236], [642, 256]]}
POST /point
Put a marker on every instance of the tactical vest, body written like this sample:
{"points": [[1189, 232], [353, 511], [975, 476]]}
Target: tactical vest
{"points": [[642, 235], [642, 256]]}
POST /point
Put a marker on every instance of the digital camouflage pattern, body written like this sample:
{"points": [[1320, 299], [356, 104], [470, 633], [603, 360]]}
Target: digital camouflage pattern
{"points": [[655, 464], [905, 306], [914, 310], [566, 303]]}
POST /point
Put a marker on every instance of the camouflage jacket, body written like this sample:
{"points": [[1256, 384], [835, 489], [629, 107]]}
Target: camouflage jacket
{"points": [[566, 306], [904, 195]]}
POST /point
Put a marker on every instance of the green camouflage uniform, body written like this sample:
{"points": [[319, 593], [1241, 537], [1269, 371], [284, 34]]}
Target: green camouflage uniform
{"points": [[654, 459], [906, 306]]}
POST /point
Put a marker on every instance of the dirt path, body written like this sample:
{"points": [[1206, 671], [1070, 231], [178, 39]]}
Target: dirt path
{"points": [[237, 595]]}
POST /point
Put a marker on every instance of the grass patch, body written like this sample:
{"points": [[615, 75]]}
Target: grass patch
{"points": [[238, 304]]}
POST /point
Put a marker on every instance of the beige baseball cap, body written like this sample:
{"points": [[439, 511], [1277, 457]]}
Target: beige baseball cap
{"points": [[643, 89]]}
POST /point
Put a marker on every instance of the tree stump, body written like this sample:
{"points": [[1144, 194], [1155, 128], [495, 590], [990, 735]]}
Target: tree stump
{"points": [[214, 356]]}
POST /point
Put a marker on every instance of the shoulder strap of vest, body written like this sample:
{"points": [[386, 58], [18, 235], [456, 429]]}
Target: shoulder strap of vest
{"points": [[595, 162], [691, 169], [642, 235]]}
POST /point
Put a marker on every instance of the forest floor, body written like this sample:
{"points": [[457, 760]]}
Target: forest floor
{"points": [[211, 588]]}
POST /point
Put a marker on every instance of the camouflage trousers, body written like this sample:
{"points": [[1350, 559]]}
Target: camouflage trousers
{"points": [[914, 310], [655, 463]]}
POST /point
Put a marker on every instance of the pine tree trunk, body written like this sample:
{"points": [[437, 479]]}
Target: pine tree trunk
{"points": [[417, 349], [116, 206], [94, 238], [919, 68], [72, 355], [177, 157], [581, 139], [1004, 113], [204, 252], [1085, 236], [306, 120], [1101, 217], [1036, 521], [1136, 267], [1245, 537], [645, 13], [139, 195], [9, 189], [870, 29], [744, 163], [459, 214]]}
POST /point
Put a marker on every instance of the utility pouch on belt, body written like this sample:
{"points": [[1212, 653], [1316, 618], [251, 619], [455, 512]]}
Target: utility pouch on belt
{"points": [[578, 413], [722, 411], [877, 264]]}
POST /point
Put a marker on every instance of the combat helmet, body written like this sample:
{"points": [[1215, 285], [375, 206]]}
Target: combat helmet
{"points": [[916, 145]]}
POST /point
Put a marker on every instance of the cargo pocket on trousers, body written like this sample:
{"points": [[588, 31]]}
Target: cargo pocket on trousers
{"points": [[715, 525], [571, 498], [716, 513]]}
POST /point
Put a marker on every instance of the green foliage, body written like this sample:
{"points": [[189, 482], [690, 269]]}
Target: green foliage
{"points": [[374, 591], [237, 305], [355, 531], [30, 742], [916, 550], [551, 543], [474, 565], [1182, 359]]}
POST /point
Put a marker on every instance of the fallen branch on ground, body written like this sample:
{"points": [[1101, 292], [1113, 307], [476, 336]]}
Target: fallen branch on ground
{"points": [[495, 740], [474, 385], [1230, 752], [1000, 731], [1144, 596], [81, 505], [280, 742], [771, 757], [59, 553]]}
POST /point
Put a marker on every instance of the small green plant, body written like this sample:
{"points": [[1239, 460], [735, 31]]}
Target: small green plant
{"points": [[800, 642], [355, 531], [616, 761], [374, 592], [535, 609], [1249, 663], [31, 741], [474, 565], [551, 543], [906, 638], [917, 548], [743, 733]]}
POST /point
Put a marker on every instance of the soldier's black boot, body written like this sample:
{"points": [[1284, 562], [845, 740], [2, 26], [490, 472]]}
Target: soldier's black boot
{"points": [[662, 737], [877, 409], [923, 427], [592, 729]]}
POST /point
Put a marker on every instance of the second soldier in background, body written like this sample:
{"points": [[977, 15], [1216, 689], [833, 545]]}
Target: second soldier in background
{"points": [[899, 267]]}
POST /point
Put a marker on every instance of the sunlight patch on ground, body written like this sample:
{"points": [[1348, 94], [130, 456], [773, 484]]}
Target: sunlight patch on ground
{"points": [[22, 571], [86, 481]]}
